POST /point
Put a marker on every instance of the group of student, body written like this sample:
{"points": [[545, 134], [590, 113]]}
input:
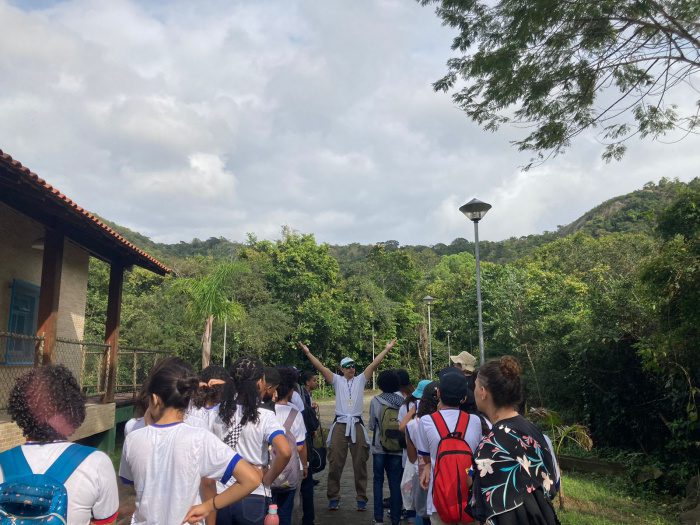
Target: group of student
{"points": [[455, 450], [217, 447], [222, 445]]}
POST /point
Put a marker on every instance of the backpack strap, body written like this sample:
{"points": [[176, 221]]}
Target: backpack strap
{"points": [[462, 424], [14, 464], [290, 419], [68, 461], [440, 424]]}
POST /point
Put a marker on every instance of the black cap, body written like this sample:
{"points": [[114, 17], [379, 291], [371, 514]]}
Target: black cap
{"points": [[453, 387]]}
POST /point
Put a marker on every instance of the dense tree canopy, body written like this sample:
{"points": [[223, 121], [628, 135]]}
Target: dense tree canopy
{"points": [[561, 67], [605, 322]]}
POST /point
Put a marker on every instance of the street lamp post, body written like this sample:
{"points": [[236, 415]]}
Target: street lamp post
{"points": [[374, 374], [429, 300], [475, 210], [449, 332]]}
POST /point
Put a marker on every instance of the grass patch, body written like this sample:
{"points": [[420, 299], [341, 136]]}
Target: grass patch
{"points": [[604, 500]]}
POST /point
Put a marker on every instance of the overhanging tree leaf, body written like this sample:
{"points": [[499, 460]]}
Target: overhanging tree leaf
{"points": [[561, 67]]}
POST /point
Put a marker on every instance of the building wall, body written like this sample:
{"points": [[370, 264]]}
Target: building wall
{"points": [[18, 260]]}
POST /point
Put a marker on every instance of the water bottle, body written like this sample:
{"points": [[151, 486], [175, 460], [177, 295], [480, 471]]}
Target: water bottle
{"points": [[272, 518]]}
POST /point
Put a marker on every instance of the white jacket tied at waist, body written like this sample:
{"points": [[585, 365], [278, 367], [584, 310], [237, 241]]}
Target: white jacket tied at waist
{"points": [[349, 422]]}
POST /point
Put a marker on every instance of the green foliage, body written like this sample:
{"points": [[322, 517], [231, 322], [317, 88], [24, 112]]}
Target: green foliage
{"points": [[604, 315], [546, 63]]}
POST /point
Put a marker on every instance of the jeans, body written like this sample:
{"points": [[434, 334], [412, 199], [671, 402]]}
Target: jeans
{"points": [[392, 465], [285, 504], [307, 500], [248, 511]]}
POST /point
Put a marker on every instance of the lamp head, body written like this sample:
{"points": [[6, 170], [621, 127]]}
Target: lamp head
{"points": [[428, 300], [475, 209]]}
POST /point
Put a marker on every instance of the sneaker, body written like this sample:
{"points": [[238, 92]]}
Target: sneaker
{"points": [[333, 504], [361, 505]]}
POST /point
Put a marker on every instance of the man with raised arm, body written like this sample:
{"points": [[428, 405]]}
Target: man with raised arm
{"points": [[348, 430]]}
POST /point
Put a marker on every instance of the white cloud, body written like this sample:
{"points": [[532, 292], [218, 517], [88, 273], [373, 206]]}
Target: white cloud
{"points": [[183, 119]]}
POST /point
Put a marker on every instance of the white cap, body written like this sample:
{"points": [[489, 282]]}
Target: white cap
{"points": [[346, 361]]}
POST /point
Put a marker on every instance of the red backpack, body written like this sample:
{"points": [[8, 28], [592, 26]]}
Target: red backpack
{"points": [[454, 460]]}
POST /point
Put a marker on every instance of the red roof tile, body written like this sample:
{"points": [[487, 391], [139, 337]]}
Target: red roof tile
{"points": [[60, 197]]}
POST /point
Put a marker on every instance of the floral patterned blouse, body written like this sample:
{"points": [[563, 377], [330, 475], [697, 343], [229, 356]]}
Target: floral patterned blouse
{"points": [[515, 469]]}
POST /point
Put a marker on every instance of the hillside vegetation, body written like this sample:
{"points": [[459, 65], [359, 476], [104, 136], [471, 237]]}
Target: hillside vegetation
{"points": [[604, 314]]}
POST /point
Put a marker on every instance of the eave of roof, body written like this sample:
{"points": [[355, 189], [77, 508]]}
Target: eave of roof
{"points": [[139, 257]]}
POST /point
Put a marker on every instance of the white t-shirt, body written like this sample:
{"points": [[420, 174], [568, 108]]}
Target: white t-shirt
{"points": [[349, 395], [166, 463], [427, 438], [255, 438], [403, 410], [205, 417], [133, 424], [297, 401], [298, 429], [92, 488]]}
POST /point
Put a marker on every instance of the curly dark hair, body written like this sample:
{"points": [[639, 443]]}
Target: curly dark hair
{"points": [[388, 381], [288, 381], [404, 378], [242, 390], [47, 403], [210, 395]]}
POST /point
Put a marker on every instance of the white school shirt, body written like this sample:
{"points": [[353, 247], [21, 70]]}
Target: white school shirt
{"points": [[349, 403], [133, 424], [205, 417], [254, 440], [403, 410], [297, 401], [298, 429], [427, 439], [166, 463], [92, 488]]}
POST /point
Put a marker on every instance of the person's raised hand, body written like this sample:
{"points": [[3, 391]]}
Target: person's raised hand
{"points": [[303, 347], [390, 344]]}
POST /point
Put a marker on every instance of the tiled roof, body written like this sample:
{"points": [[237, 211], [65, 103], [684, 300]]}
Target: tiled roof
{"points": [[60, 198]]}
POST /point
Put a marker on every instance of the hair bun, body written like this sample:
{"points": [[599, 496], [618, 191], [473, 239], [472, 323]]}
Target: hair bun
{"points": [[510, 368], [187, 386]]}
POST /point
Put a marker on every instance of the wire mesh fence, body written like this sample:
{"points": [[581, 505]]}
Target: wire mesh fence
{"points": [[87, 360], [133, 366], [18, 353]]}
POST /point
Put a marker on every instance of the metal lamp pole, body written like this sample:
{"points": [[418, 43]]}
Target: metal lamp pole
{"points": [[448, 347], [428, 300], [475, 210]]}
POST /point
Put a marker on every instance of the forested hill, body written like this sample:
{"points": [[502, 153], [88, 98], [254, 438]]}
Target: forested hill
{"points": [[633, 212], [614, 294]]}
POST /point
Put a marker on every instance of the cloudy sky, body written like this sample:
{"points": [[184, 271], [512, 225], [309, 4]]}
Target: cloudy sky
{"points": [[186, 119]]}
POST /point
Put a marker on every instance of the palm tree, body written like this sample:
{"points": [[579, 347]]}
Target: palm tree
{"points": [[209, 300]]}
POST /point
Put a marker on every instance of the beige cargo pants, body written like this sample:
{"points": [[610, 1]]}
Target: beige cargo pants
{"points": [[337, 455]]}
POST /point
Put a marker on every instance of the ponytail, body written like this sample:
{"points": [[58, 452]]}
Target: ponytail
{"points": [[242, 390], [174, 382]]}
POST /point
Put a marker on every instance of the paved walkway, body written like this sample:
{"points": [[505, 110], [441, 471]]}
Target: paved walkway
{"points": [[347, 514]]}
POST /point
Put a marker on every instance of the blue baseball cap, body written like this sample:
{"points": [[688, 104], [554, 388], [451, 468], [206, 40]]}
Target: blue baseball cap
{"points": [[418, 392]]}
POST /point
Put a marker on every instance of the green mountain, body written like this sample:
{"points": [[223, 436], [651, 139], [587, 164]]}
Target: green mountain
{"points": [[633, 212]]}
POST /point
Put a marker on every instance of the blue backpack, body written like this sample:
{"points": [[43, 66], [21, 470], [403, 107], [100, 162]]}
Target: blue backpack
{"points": [[29, 499]]}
